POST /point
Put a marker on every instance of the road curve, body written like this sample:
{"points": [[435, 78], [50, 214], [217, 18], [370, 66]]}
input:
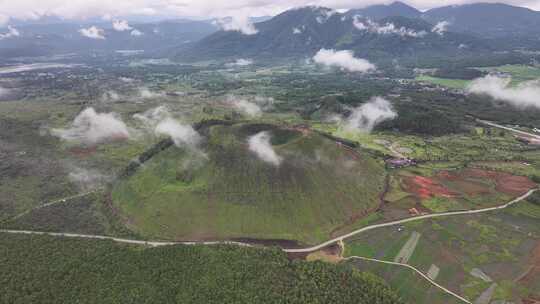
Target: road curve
{"points": [[295, 250], [415, 270], [492, 124], [416, 218]]}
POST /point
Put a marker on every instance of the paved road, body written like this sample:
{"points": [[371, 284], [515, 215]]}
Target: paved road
{"points": [[415, 270], [295, 250], [120, 240], [58, 201], [492, 124], [399, 222]]}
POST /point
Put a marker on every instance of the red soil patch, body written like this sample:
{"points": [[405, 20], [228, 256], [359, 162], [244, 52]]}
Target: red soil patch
{"points": [[471, 182], [425, 187], [514, 184], [506, 182], [83, 152], [534, 271]]}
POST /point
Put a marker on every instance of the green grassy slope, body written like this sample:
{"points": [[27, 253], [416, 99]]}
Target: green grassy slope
{"points": [[230, 193]]}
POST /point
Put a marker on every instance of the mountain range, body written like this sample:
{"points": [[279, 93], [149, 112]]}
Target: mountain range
{"points": [[376, 32]]}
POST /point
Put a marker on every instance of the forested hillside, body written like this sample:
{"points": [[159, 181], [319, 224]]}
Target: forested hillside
{"points": [[54, 270]]}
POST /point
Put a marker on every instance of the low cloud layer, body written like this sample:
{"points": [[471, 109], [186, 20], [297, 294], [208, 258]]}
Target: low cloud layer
{"points": [[441, 27], [385, 29], [243, 105], [93, 32], [4, 92], [183, 135], [80, 9], [151, 118], [240, 62], [261, 146], [11, 32], [365, 117], [240, 24], [121, 25], [524, 95], [160, 121], [90, 127], [87, 179], [136, 33], [344, 60], [146, 93]]}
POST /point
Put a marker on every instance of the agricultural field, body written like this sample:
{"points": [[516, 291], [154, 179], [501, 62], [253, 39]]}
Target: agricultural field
{"points": [[444, 82], [431, 189], [519, 74], [472, 252], [227, 192]]}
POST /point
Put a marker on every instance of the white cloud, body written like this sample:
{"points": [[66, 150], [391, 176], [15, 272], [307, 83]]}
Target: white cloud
{"points": [[152, 117], [92, 32], [79, 9], [136, 33], [145, 93], [87, 179], [11, 32], [3, 92], [241, 62], [90, 127], [524, 95], [121, 25], [239, 23], [183, 135], [385, 29], [296, 31], [245, 106], [344, 60], [110, 96], [441, 27], [365, 117], [261, 146]]}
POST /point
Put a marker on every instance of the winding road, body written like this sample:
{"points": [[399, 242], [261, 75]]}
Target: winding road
{"points": [[416, 218], [288, 250], [492, 124], [294, 250]]}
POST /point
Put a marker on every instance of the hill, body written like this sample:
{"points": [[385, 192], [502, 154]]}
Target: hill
{"points": [[38, 39], [487, 19], [318, 187], [301, 32], [381, 11]]}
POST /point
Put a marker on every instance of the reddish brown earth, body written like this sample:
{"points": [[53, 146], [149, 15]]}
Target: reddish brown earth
{"points": [[471, 182], [82, 152], [425, 187], [534, 271]]}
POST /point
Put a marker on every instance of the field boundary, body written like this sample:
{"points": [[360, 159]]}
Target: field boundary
{"points": [[415, 270]]}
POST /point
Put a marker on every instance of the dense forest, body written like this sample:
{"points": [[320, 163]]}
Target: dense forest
{"points": [[43, 269]]}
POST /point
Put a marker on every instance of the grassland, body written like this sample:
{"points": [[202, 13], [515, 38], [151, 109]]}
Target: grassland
{"points": [[519, 73], [230, 193], [445, 82]]}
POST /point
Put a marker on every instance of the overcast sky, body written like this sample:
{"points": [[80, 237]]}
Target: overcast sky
{"points": [[78, 9]]}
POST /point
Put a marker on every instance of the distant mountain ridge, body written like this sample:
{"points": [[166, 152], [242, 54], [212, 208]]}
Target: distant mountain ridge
{"points": [[491, 19], [303, 31], [381, 11]]}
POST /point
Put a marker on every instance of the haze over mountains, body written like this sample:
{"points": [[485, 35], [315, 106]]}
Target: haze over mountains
{"points": [[377, 31]]}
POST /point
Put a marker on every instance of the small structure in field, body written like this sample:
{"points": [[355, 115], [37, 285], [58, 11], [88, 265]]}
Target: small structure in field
{"points": [[395, 163]]}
